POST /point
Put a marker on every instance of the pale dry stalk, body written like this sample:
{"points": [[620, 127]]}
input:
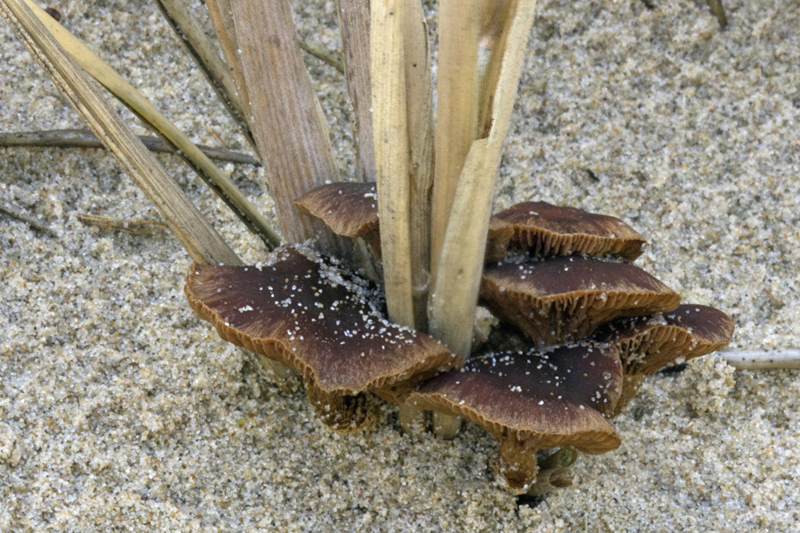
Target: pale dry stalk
{"points": [[456, 284], [199, 239]]}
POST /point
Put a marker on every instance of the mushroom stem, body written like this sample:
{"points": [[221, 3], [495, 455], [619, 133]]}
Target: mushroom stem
{"points": [[411, 419], [336, 410], [285, 377], [631, 383], [517, 462], [446, 426], [554, 472]]}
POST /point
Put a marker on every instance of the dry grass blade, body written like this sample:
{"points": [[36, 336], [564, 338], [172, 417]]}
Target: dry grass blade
{"points": [[354, 26], [458, 87], [202, 165], [197, 236], [391, 155], [87, 139], [287, 120], [221, 17], [455, 293], [494, 20], [205, 55], [144, 228], [420, 125]]}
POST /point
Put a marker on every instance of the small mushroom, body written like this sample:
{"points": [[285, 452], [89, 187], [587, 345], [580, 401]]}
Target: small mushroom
{"points": [[647, 344], [566, 298], [533, 400], [547, 230], [305, 313], [348, 208]]}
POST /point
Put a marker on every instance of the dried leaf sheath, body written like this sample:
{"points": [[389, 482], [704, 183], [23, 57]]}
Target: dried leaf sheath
{"points": [[287, 121], [354, 20], [391, 155], [458, 91], [420, 126], [455, 293], [457, 272]]}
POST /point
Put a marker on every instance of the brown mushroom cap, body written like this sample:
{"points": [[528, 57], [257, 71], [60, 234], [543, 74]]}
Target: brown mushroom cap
{"points": [[347, 208], [547, 230], [531, 401], [647, 344], [302, 312], [566, 298]]}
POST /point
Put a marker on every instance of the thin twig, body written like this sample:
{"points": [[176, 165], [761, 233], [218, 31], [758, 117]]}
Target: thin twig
{"points": [[323, 54], [17, 214], [86, 139], [762, 360], [144, 228]]}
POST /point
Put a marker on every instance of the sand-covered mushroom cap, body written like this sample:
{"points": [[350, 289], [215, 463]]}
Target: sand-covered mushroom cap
{"points": [[533, 400], [567, 298], [303, 312], [547, 230], [647, 344], [348, 208]]}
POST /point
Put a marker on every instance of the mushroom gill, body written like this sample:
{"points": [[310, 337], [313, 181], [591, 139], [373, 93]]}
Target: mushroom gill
{"points": [[546, 230], [647, 344], [566, 298]]}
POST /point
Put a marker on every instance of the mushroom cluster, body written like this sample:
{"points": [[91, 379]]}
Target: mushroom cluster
{"points": [[579, 328]]}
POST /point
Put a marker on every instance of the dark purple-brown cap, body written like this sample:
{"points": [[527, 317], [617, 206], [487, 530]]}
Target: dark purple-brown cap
{"points": [[533, 400], [567, 298], [305, 313], [547, 230], [347, 208], [647, 344]]}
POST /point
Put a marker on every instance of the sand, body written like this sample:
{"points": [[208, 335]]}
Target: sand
{"points": [[121, 410]]}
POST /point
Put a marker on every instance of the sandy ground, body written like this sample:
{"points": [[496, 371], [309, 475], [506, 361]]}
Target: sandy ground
{"points": [[120, 410]]}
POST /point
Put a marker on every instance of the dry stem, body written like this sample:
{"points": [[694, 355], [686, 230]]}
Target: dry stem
{"points": [[286, 117], [197, 236]]}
